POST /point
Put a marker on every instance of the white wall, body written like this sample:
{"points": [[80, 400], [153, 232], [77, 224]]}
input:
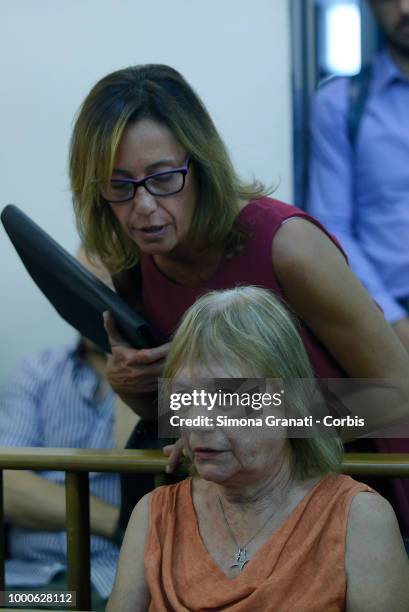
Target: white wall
{"points": [[234, 52]]}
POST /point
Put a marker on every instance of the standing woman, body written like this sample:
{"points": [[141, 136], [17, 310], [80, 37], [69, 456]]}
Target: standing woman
{"points": [[157, 200]]}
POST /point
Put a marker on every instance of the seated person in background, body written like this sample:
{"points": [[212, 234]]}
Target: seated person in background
{"points": [[57, 398], [268, 524], [60, 398]]}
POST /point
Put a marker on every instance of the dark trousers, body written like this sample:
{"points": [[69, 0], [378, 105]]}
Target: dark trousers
{"points": [[135, 486]]}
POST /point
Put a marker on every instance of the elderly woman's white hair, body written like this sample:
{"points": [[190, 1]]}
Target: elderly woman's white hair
{"points": [[249, 333]]}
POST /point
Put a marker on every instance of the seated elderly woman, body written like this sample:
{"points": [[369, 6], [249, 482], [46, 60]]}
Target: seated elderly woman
{"points": [[267, 523]]}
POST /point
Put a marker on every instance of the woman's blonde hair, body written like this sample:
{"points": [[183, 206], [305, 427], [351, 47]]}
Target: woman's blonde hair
{"points": [[160, 93], [249, 333]]}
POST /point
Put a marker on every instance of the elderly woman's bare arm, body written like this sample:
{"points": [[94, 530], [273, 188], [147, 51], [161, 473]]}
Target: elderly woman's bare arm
{"points": [[130, 593], [376, 565]]}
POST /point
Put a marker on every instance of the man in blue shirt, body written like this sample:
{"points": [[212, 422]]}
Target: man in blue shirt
{"points": [[58, 398], [360, 191]]}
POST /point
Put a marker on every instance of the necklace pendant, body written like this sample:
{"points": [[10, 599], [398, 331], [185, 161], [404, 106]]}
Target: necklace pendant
{"points": [[240, 558]]}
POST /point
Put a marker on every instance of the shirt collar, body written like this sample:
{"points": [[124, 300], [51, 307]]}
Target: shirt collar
{"points": [[386, 71]]}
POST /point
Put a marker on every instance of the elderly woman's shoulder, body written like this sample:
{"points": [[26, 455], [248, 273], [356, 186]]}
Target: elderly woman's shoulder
{"points": [[371, 512], [371, 509], [163, 501], [140, 514], [375, 557]]}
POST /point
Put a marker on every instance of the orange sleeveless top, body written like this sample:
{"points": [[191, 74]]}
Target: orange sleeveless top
{"points": [[300, 567]]}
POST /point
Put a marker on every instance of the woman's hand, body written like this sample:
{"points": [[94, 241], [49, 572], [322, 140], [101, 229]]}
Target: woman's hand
{"points": [[174, 452], [130, 371]]}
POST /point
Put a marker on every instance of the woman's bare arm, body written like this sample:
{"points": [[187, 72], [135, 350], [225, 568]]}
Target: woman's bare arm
{"points": [[321, 289], [376, 564], [130, 592]]}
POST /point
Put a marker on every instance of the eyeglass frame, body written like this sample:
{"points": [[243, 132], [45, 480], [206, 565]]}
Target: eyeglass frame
{"points": [[136, 183]]}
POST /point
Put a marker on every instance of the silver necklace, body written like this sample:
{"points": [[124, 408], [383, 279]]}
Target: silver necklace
{"points": [[240, 558]]}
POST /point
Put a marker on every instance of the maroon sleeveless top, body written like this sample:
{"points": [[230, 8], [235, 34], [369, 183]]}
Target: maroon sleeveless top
{"points": [[165, 301]]}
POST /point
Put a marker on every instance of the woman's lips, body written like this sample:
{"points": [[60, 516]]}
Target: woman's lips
{"points": [[151, 229], [151, 232], [207, 453]]}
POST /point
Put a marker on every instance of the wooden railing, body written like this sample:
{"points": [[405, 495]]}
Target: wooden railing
{"points": [[77, 463]]}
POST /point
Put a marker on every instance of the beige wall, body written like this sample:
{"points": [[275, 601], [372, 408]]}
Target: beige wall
{"points": [[234, 52]]}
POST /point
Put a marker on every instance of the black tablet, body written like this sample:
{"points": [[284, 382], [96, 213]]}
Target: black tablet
{"points": [[77, 295]]}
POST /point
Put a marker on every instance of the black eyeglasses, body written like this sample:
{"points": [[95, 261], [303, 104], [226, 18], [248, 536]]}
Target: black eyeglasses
{"points": [[159, 184]]}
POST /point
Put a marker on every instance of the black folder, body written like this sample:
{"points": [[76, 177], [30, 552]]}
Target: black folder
{"points": [[77, 295]]}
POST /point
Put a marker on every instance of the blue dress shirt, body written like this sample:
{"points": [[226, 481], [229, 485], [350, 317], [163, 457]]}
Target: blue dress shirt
{"points": [[361, 195], [51, 401]]}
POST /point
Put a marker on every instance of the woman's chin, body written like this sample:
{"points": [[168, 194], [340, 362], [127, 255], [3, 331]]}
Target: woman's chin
{"points": [[154, 248], [152, 244], [210, 473]]}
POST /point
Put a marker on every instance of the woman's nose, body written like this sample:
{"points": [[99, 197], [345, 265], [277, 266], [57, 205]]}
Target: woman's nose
{"points": [[143, 202]]}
